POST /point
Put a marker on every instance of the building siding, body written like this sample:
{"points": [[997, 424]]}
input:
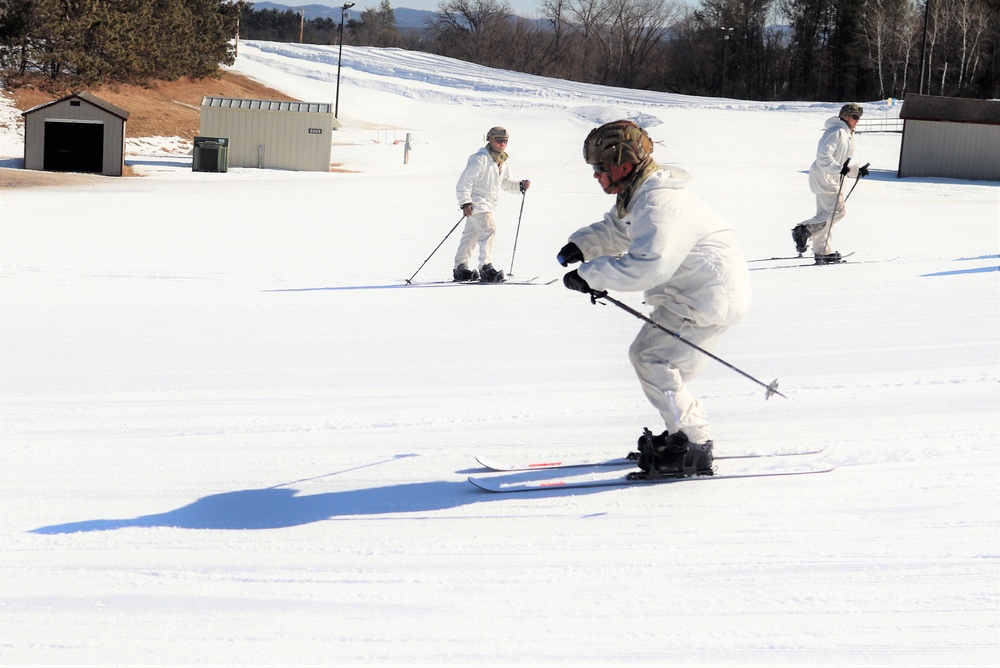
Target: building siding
{"points": [[950, 150], [271, 134], [86, 112], [950, 137]]}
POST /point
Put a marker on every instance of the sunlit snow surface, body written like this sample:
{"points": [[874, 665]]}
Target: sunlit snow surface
{"points": [[233, 436]]}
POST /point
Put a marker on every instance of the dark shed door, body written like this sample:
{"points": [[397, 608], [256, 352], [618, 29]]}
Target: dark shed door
{"points": [[74, 147]]}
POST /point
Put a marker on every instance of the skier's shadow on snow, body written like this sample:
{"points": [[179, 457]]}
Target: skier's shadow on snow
{"points": [[281, 506]]}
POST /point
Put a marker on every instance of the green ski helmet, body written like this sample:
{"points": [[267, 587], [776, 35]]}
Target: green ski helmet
{"points": [[616, 143], [851, 109]]}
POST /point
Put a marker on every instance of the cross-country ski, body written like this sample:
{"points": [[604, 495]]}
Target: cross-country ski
{"points": [[616, 462], [509, 281], [505, 484], [826, 264]]}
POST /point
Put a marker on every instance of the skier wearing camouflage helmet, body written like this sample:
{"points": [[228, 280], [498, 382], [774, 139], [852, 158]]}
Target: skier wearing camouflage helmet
{"points": [[837, 158], [662, 240], [478, 190]]}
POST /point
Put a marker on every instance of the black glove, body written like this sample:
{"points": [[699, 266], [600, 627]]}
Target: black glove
{"points": [[524, 185], [569, 254], [863, 170], [845, 170], [574, 281]]}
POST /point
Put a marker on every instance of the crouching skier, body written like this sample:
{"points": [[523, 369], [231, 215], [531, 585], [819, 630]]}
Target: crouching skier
{"points": [[661, 239]]}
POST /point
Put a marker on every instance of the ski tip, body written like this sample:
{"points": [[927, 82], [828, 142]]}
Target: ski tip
{"points": [[483, 484]]}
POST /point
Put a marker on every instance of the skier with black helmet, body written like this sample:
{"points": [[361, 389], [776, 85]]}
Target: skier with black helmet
{"points": [[478, 190], [664, 241], [835, 153]]}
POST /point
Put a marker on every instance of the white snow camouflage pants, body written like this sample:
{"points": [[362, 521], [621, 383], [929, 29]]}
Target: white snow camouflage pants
{"points": [[820, 226], [664, 366], [481, 229]]}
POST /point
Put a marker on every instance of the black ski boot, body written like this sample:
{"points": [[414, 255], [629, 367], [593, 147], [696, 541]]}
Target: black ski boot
{"points": [[463, 273], [488, 274], [671, 456], [829, 258], [800, 235]]}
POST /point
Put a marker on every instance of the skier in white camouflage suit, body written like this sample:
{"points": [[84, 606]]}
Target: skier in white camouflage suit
{"points": [[662, 240], [837, 157], [478, 190]]}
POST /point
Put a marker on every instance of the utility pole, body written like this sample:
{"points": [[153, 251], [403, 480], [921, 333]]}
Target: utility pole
{"points": [[302, 24], [726, 33], [923, 49], [239, 13], [340, 56]]}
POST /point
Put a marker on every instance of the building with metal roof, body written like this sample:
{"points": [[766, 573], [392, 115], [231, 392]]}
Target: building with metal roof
{"points": [[271, 134], [950, 137]]}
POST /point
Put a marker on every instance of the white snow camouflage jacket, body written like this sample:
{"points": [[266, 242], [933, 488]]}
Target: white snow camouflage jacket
{"points": [[481, 181], [835, 147], [672, 246]]}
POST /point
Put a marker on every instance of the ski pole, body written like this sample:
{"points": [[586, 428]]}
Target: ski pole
{"points": [[436, 249], [856, 179], [517, 233], [836, 202], [771, 389]]}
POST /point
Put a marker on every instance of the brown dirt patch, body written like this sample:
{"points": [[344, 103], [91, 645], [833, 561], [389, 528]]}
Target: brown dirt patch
{"points": [[164, 108], [26, 178]]}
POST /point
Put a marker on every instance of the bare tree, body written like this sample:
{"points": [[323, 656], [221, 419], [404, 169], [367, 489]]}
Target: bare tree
{"points": [[876, 33], [971, 20], [638, 27], [590, 19], [905, 47], [471, 29]]}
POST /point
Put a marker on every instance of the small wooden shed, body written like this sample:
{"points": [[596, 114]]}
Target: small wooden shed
{"points": [[950, 137], [76, 133], [271, 134]]}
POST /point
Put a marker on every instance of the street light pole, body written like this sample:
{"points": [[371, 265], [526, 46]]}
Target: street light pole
{"points": [[340, 56], [923, 49], [726, 33]]}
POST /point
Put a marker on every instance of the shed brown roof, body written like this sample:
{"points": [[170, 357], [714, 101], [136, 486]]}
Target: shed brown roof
{"points": [[954, 109], [87, 97]]}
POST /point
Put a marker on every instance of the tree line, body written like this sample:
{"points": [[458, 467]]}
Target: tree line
{"points": [[749, 49]]}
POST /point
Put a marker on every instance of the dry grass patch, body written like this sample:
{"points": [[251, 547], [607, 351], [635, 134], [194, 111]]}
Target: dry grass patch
{"points": [[164, 108]]}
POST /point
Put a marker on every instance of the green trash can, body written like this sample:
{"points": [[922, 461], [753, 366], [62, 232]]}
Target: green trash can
{"points": [[211, 154]]}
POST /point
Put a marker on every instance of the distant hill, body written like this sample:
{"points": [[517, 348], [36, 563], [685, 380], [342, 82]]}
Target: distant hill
{"points": [[405, 18]]}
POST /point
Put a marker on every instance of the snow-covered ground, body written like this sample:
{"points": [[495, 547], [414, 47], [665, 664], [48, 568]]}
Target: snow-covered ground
{"points": [[232, 436]]}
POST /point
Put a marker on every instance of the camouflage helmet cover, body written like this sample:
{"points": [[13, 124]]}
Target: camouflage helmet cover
{"points": [[851, 109], [616, 143], [496, 132]]}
